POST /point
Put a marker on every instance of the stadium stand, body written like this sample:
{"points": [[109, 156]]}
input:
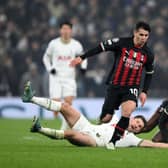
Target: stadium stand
{"points": [[26, 27]]}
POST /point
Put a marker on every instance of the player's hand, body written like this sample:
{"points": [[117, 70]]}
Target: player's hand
{"points": [[53, 71], [143, 97], [76, 61]]}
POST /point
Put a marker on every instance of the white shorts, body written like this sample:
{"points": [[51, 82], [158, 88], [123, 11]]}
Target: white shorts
{"points": [[100, 133], [62, 87]]}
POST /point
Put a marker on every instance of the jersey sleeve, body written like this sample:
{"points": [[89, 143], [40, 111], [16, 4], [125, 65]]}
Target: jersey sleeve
{"points": [[79, 49], [150, 63], [129, 140], [149, 66], [111, 44], [47, 58]]}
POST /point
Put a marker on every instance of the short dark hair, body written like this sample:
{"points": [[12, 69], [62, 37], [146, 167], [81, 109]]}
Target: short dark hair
{"points": [[144, 25], [143, 119], [65, 23]]}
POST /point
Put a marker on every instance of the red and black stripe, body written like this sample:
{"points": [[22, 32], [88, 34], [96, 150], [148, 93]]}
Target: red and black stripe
{"points": [[125, 75]]}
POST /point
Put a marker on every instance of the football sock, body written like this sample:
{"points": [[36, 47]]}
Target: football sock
{"points": [[47, 103], [121, 126], [52, 133]]}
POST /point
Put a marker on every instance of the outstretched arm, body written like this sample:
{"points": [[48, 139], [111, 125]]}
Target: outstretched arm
{"points": [[150, 144], [107, 45], [78, 60]]}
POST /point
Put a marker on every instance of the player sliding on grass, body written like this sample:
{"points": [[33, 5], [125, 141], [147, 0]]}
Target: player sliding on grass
{"points": [[83, 133]]}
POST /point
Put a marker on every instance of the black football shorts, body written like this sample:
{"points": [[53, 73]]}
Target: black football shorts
{"points": [[116, 95]]}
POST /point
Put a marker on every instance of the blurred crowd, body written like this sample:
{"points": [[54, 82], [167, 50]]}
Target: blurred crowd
{"points": [[26, 27]]}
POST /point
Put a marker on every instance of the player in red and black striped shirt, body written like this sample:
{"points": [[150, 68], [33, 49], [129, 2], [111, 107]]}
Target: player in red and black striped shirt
{"points": [[132, 55]]}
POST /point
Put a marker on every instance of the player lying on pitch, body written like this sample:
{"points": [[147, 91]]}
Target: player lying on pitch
{"points": [[83, 133]]}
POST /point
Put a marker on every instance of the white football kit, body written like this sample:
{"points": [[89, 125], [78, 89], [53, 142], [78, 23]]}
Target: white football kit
{"points": [[58, 56], [103, 133]]}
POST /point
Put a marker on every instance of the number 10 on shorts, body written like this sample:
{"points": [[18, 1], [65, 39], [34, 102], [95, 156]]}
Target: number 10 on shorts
{"points": [[134, 91]]}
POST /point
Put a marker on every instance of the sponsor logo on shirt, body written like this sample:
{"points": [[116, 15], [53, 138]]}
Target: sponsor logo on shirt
{"points": [[131, 62], [64, 58]]}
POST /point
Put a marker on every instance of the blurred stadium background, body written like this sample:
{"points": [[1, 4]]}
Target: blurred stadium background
{"points": [[26, 27]]}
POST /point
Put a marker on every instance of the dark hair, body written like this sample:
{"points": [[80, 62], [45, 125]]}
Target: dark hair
{"points": [[65, 23], [143, 119], [144, 25]]}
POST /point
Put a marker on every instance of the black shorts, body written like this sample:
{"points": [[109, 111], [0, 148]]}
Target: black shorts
{"points": [[116, 95]]}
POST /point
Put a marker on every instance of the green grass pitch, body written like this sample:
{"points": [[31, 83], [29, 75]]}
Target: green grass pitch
{"points": [[21, 149]]}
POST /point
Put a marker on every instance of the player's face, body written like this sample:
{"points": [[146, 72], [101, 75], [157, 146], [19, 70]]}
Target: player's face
{"points": [[135, 125], [140, 37], [66, 32]]}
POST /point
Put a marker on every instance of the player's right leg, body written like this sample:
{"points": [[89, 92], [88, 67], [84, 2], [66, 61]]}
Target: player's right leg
{"points": [[109, 105]]}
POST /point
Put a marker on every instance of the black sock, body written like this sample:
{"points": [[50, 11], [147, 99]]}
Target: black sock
{"points": [[121, 126]]}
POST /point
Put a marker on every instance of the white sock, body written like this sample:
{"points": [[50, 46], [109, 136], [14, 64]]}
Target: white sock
{"points": [[52, 133], [47, 103]]}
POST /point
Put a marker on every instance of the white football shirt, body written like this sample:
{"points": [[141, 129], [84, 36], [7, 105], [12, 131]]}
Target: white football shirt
{"points": [[58, 55]]}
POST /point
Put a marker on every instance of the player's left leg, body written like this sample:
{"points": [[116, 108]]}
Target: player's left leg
{"points": [[127, 108], [128, 101]]}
